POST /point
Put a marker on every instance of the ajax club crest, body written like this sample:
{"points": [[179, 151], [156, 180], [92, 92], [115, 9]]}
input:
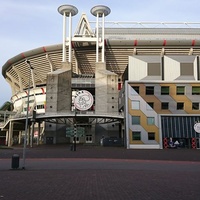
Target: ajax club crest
{"points": [[83, 100]]}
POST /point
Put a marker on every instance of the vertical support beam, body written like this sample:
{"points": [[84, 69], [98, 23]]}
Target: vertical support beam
{"points": [[100, 11], [33, 77], [28, 135], [103, 44], [70, 37], [20, 83], [32, 134], [67, 11], [162, 68], [64, 37], [198, 69], [20, 137], [7, 137], [97, 37], [10, 134], [126, 111], [38, 137]]}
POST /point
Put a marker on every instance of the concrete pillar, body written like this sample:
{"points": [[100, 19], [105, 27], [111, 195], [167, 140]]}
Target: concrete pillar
{"points": [[106, 90], [28, 135], [10, 134], [7, 136], [58, 91], [20, 137], [38, 137], [32, 134]]}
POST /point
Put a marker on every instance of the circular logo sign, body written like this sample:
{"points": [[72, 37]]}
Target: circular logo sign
{"points": [[83, 100], [197, 127]]}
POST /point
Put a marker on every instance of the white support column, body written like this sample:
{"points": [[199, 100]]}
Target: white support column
{"points": [[38, 137], [70, 37], [64, 37], [28, 135], [97, 37], [103, 45], [100, 11], [10, 134], [32, 134], [20, 137], [67, 11], [20, 83], [33, 77], [7, 137]]}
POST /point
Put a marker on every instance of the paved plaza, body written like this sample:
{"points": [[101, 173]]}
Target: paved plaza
{"points": [[95, 172]]}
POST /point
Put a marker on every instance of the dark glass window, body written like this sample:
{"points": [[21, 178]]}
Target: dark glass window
{"points": [[196, 90], [136, 88], [149, 90], [180, 106], [164, 105], [151, 104], [151, 136], [136, 135], [195, 106], [150, 120], [180, 90], [164, 90], [135, 120]]}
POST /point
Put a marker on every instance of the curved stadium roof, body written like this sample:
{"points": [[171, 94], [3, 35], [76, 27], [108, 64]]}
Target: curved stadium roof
{"points": [[120, 43]]}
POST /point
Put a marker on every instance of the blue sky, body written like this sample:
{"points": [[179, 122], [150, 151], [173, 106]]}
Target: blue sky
{"points": [[26, 25]]}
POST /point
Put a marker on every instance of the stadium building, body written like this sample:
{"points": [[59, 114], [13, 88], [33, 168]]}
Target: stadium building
{"points": [[137, 86]]}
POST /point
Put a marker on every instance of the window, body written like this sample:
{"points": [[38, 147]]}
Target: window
{"points": [[180, 90], [136, 88], [180, 106], [136, 135], [164, 90], [196, 90], [40, 106], [151, 136], [150, 120], [149, 90], [135, 105], [164, 105], [151, 105], [195, 106], [135, 120]]}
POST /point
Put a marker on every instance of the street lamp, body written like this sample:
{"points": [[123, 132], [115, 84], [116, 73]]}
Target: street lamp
{"points": [[27, 109]]}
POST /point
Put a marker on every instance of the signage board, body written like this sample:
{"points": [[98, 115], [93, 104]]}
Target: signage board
{"points": [[197, 127]]}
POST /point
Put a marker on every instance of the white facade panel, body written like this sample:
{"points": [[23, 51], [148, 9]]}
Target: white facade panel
{"points": [[195, 69], [171, 69], [137, 69]]}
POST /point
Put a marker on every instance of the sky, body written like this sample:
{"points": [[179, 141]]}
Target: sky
{"points": [[29, 24]]}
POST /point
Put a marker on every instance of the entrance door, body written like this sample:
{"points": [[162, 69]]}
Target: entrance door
{"points": [[198, 143], [88, 139]]}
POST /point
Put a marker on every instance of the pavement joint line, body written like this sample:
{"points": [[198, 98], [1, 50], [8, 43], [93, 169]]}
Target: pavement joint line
{"points": [[109, 160]]}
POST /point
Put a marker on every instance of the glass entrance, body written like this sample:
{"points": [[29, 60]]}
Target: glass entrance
{"points": [[198, 143], [88, 138]]}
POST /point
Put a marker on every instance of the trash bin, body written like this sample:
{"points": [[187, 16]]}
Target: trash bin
{"points": [[15, 161]]}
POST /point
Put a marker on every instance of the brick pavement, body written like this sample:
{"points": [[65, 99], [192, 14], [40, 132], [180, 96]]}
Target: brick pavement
{"points": [[84, 151], [101, 173]]}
